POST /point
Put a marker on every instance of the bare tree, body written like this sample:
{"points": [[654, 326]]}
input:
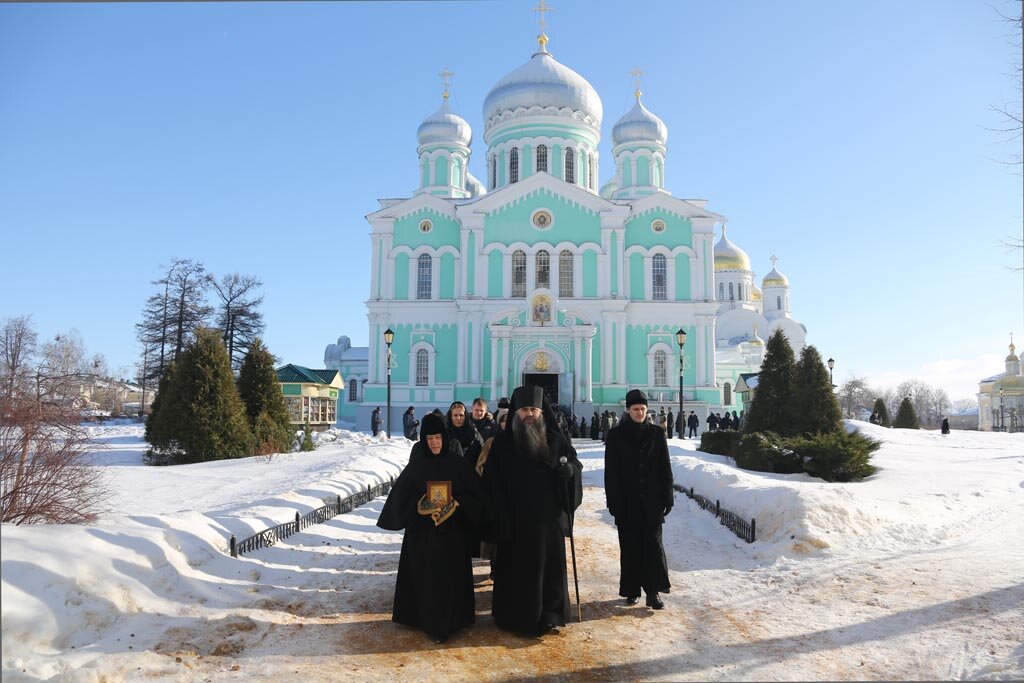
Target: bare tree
{"points": [[44, 472], [962, 404], [855, 393], [238, 314]]}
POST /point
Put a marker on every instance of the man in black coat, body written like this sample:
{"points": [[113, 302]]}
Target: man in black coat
{"points": [[638, 486], [692, 423], [434, 587], [534, 480], [482, 420]]}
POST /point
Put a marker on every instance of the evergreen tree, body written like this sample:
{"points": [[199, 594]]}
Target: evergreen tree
{"points": [[307, 439], [772, 407], [906, 418], [160, 427], [883, 412], [815, 407], [212, 423], [264, 402]]}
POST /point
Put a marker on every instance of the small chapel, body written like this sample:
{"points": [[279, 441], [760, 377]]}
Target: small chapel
{"points": [[539, 273]]}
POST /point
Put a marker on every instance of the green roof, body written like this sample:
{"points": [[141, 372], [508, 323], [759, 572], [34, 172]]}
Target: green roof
{"points": [[297, 373]]}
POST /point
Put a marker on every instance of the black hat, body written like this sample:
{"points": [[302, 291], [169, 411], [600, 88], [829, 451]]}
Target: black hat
{"points": [[527, 396], [432, 424], [635, 396]]}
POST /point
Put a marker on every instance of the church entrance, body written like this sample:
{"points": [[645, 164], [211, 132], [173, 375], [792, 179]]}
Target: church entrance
{"points": [[548, 382]]}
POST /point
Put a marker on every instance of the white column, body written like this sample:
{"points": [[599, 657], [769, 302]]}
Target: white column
{"points": [[374, 275], [475, 344], [621, 360], [494, 370], [506, 275], [577, 275], [670, 275], [588, 375], [606, 349], [577, 366], [462, 263], [531, 272], [506, 367], [435, 277], [483, 264]]}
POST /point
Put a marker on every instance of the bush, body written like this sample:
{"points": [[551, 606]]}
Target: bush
{"points": [[906, 418], [720, 443], [766, 452], [883, 412], [839, 456], [307, 439]]}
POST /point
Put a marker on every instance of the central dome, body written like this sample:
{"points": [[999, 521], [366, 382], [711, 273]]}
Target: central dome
{"points": [[545, 83]]}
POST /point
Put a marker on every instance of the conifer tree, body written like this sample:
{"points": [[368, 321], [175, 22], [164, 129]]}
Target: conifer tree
{"points": [[264, 403], [815, 407], [164, 410], [906, 418], [772, 407], [211, 424], [882, 411], [307, 439]]}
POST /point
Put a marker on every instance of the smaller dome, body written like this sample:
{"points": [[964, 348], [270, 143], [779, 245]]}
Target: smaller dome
{"points": [[730, 257], [756, 294], [756, 340], [775, 279], [639, 125], [445, 126]]}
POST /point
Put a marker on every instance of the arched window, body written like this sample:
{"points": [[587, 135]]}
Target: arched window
{"points": [[731, 296], [543, 263], [542, 157], [493, 169], [727, 394], [422, 368], [513, 166], [424, 276], [659, 277], [660, 369], [778, 303], [519, 274], [565, 279], [353, 391], [570, 165], [721, 291], [739, 292]]}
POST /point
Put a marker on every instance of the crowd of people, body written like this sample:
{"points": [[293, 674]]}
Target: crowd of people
{"points": [[504, 488]]}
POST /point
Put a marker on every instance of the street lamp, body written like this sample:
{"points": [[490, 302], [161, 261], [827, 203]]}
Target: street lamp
{"points": [[1002, 417], [389, 337], [831, 364], [681, 340]]}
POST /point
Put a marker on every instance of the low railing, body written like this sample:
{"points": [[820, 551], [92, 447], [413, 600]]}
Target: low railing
{"points": [[739, 526], [269, 537]]}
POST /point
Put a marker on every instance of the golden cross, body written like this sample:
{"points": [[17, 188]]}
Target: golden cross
{"points": [[637, 73], [774, 259], [540, 9], [446, 78]]}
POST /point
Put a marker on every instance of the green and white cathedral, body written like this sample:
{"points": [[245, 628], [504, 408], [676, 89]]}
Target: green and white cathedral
{"points": [[536, 275]]}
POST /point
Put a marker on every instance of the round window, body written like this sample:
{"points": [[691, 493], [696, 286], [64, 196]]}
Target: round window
{"points": [[542, 219], [658, 226], [426, 226]]}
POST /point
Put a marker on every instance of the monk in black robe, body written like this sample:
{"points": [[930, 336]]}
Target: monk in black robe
{"points": [[638, 484], [535, 482], [434, 588]]}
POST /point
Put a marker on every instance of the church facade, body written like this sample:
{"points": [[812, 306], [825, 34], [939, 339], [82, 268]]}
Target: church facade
{"points": [[536, 275]]}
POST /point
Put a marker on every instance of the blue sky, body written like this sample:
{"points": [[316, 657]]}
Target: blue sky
{"points": [[849, 139]]}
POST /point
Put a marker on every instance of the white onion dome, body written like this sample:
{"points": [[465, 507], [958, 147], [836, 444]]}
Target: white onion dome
{"points": [[775, 279], [639, 125], [445, 126], [547, 84], [730, 257]]}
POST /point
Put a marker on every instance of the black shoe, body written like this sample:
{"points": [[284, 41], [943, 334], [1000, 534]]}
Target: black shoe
{"points": [[632, 601], [654, 602], [440, 640]]}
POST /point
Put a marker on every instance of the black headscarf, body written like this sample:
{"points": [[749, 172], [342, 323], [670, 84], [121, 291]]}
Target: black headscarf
{"points": [[432, 424]]}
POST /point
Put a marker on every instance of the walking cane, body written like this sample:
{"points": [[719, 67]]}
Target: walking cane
{"points": [[572, 546]]}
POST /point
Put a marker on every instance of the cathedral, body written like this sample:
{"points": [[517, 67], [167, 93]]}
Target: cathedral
{"points": [[539, 274]]}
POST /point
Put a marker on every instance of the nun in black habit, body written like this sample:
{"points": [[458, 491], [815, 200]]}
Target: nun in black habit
{"points": [[534, 494], [434, 587]]}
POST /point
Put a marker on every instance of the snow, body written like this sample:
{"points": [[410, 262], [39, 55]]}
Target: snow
{"points": [[915, 573]]}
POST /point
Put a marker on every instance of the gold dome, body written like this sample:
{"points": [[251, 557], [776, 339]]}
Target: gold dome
{"points": [[756, 294], [1013, 355], [728, 256]]}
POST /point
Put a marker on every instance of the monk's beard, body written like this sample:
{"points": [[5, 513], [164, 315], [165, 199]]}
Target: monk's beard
{"points": [[531, 438]]}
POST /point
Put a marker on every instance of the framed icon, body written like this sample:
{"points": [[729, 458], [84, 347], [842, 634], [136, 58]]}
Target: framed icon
{"points": [[439, 493]]}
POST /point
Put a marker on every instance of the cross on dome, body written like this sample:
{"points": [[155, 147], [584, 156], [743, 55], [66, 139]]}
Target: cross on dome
{"points": [[542, 8], [637, 74], [774, 259], [446, 78]]}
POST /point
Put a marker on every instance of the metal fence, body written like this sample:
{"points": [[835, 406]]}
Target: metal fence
{"points": [[269, 537], [739, 526]]}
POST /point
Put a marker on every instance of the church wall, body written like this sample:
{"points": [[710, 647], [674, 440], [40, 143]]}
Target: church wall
{"points": [[447, 276], [683, 292], [678, 231], [401, 276], [636, 277], [572, 222], [590, 274], [495, 276], [406, 230]]}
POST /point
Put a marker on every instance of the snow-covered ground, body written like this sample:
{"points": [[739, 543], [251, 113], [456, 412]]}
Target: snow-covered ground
{"points": [[916, 573]]}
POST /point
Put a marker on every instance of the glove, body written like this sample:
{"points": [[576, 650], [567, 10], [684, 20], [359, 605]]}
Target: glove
{"points": [[564, 469]]}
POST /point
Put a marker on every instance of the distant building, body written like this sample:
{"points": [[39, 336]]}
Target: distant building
{"points": [[311, 395], [1001, 398], [353, 363]]}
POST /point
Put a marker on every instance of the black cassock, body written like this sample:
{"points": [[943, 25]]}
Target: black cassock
{"points": [[532, 506], [638, 486], [434, 587]]}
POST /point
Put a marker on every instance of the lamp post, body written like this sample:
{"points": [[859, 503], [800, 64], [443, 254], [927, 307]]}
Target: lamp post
{"points": [[831, 364], [681, 340], [389, 337]]}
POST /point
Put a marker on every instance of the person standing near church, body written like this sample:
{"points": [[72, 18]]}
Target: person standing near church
{"points": [[375, 421], [692, 423], [438, 501], [671, 423], [534, 481], [638, 486]]}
